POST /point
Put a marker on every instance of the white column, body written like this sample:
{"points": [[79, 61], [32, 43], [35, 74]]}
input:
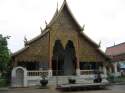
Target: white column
{"points": [[115, 69], [50, 73], [100, 68], [78, 72], [25, 78], [110, 70], [104, 71], [13, 78]]}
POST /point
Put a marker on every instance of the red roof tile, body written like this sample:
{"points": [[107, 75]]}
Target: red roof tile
{"points": [[116, 49]]}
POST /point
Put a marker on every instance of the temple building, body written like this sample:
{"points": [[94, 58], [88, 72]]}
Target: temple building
{"points": [[62, 49], [117, 55]]}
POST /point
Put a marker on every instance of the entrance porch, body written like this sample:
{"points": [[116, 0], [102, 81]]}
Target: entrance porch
{"points": [[33, 77]]}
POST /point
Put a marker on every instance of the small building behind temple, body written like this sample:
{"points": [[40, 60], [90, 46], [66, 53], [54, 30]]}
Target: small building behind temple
{"points": [[117, 55], [62, 49]]}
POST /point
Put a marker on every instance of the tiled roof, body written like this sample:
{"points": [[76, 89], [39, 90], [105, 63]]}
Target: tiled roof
{"points": [[46, 30], [116, 49]]}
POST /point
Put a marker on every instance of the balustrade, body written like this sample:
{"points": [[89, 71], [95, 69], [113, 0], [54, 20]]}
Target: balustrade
{"points": [[37, 73]]}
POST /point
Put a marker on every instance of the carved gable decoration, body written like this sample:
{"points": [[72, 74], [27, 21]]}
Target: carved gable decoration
{"points": [[63, 27]]}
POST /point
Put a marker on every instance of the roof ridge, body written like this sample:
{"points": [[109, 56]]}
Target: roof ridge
{"points": [[20, 50], [40, 35], [58, 14], [90, 39], [116, 45], [28, 43]]}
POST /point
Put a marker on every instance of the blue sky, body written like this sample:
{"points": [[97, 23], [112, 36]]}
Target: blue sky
{"points": [[104, 19]]}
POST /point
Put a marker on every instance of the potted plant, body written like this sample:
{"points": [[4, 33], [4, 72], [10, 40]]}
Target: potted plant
{"points": [[43, 81], [71, 81]]}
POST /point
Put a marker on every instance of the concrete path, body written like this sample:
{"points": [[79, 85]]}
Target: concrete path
{"points": [[111, 89]]}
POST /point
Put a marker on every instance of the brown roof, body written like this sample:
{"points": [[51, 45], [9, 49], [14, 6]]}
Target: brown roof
{"points": [[57, 14], [116, 49], [28, 42], [54, 18]]}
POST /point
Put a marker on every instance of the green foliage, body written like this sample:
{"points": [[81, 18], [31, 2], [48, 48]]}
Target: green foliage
{"points": [[111, 78], [43, 76], [4, 54], [114, 79], [3, 82], [71, 81]]}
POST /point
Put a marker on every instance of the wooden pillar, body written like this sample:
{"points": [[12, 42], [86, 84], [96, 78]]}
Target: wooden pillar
{"points": [[50, 58], [77, 61], [14, 63]]}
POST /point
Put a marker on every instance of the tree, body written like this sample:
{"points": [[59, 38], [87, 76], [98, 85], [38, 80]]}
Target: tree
{"points": [[4, 54]]}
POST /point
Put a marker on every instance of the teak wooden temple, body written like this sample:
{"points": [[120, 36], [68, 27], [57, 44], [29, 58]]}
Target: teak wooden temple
{"points": [[62, 49]]}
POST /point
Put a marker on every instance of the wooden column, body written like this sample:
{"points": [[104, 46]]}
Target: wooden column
{"points": [[50, 57], [77, 61], [14, 63], [78, 54]]}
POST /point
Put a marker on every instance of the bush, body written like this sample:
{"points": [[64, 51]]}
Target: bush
{"points": [[111, 79], [114, 79], [72, 81], [3, 82]]}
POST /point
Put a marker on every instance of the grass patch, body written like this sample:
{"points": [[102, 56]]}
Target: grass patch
{"points": [[120, 79], [114, 79], [3, 82]]}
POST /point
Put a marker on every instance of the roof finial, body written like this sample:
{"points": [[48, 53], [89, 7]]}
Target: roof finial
{"points": [[57, 7], [83, 28], [25, 40], [46, 23], [41, 29], [100, 43], [64, 1]]}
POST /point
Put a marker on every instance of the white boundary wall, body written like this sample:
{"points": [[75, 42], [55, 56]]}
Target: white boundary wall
{"points": [[14, 78], [32, 78]]}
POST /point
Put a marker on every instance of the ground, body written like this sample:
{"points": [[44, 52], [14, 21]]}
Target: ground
{"points": [[111, 89]]}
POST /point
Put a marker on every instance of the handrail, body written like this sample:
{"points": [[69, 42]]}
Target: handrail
{"points": [[88, 72], [37, 72]]}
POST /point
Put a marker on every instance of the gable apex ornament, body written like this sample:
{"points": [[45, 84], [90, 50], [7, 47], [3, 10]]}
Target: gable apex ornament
{"points": [[57, 7], [83, 28], [46, 24], [99, 43], [25, 41], [41, 29]]}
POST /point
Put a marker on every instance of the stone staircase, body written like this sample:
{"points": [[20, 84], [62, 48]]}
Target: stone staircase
{"points": [[64, 79], [53, 80]]}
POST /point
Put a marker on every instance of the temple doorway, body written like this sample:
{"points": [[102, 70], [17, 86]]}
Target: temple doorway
{"points": [[69, 59], [63, 60], [58, 58], [19, 77]]}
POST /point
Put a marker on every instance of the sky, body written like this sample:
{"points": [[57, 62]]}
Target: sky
{"points": [[104, 19]]}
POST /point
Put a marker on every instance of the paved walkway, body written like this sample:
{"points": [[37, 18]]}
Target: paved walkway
{"points": [[112, 89]]}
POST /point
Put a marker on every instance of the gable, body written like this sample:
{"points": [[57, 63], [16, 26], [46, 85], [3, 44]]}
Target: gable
{"points": [[64, 17], [64, 27], [64, 21], [89, 53], [35, 51]]}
